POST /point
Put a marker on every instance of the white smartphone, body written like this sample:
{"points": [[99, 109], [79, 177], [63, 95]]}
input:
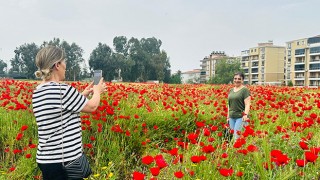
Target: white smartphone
{"points": [[97, 75]]}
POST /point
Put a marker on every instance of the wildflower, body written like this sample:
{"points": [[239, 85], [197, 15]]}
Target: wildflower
{"points": [[179, 174], [147, 160], [155, 171], [160, 161], [226, 172], [239, 174], [24, 127], [110, 175], [310, 157], [138, 176], [19, 136], [301, 162], [96, 175]]}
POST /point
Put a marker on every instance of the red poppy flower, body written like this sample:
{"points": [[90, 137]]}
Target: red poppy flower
{"points": [[138, 176], [24, 127], [252, 148], [147, 160], [195, 159], [174, 151], [239, 174], [301, 162], [19, 136], [208, 149], [155, 171], [192, 136], [226, 172], [12, 168], [160, 161], [28, 156], [303, 145], [310, 157], [224, 155], [179, 174]]}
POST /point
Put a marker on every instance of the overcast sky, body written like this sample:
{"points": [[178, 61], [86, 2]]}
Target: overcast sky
{"points": [[189, 29]]}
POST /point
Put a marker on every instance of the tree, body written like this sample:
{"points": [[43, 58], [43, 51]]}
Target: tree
{"points": [[102, 58], [137, 54], [23, 62], [120, 45], [224, 71], [3, 65], [74, 55], [176, 78]]}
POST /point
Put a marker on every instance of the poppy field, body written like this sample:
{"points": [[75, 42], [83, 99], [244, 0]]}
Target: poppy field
{"points": [[162, 131]]}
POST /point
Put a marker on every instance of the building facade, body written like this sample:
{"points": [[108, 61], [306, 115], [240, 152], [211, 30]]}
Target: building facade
{"points": [[208, 64], [263, 64], [302, 66], [191, 77]]}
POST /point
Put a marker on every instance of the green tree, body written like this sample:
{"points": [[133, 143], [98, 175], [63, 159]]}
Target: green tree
{"points": [[120, 45], [224, 71], [137, 54], [103, 58], [74, 55], [3, 65], [176, 78], [24, 60]]}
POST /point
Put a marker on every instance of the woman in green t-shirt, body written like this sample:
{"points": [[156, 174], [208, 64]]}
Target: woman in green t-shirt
{"points": [[238, 104]]}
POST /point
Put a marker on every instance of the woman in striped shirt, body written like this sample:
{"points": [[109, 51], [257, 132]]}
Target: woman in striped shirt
{"points": [[57, 108]]}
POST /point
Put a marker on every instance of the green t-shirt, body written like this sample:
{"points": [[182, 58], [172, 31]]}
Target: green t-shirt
{"points": [[236, 102]]}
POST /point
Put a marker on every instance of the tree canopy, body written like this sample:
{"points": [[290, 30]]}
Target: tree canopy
{"points": [[224, 71], [131, 60]]}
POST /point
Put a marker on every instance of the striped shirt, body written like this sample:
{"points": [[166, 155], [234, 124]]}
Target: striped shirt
{"points": [[57, 110]]}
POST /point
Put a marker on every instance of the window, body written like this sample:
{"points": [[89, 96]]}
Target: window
{"points": [[314, 66], [314, 40], [302, 42], [289, 45], [314, 50], [298, 43], [255, 50], [299, 52]]}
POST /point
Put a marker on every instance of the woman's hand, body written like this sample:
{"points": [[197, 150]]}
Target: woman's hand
{"points": [[245, 117], [88, 90], [100, 87]]}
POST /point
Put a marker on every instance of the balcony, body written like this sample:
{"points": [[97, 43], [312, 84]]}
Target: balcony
{"points": [[299, 78], [314, 69], [299, 62], [254, 60], [314, 77], [313, 45], [300, 55], [299, 69]]}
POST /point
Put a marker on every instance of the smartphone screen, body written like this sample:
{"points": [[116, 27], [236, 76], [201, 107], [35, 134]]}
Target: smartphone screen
{"points": [[97, 76]]}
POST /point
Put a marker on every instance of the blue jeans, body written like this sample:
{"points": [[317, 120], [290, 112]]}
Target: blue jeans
{"points": [[236, 125]]}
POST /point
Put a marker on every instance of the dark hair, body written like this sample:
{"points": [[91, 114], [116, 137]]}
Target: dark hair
{"points": [[239, 74]]}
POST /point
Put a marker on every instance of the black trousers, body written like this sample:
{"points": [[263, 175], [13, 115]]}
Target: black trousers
{"points": [[53, 171]]}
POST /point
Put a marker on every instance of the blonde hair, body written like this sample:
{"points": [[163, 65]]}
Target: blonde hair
{"points": [[46, 58]]}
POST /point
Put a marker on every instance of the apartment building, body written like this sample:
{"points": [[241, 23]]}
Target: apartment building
{"points": [[191, 77], [208, 64], [263, 64], [302, 66]]}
